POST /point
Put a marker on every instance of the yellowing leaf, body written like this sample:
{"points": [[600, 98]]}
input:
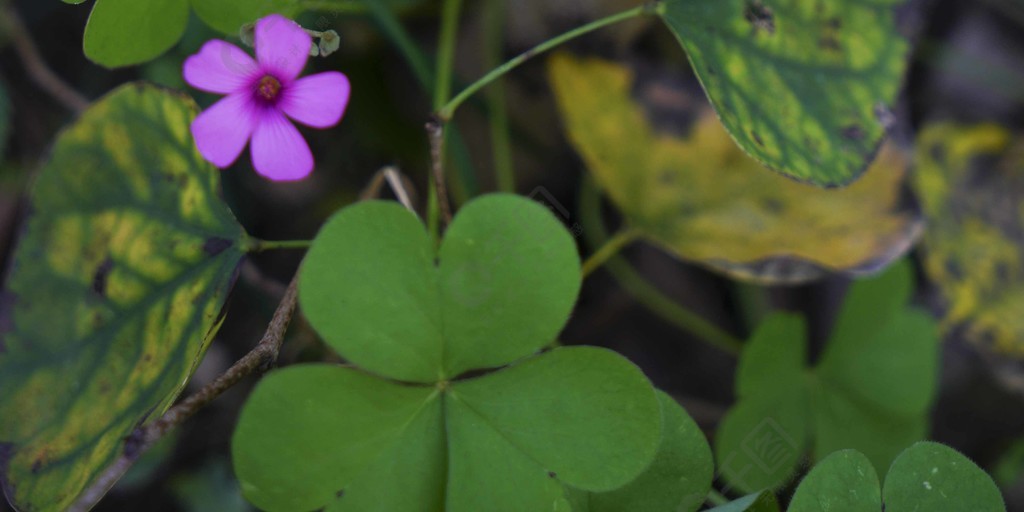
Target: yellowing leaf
{"points": [[701, 198], [116, 290], [972, 189]]}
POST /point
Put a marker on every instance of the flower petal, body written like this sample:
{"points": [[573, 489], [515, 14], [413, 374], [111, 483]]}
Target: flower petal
{"points": [[282, 46], [223, 129], [317, 100], [278, 150], [220, 67]]}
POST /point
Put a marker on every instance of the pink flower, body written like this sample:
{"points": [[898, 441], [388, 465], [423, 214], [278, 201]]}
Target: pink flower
{"points": [[262, 95]]}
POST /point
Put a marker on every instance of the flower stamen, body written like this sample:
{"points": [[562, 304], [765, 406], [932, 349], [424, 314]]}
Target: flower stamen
{"points": [[268, 88]]}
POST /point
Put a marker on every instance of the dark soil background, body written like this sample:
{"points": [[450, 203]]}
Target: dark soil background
{"points": [[968, 65]]}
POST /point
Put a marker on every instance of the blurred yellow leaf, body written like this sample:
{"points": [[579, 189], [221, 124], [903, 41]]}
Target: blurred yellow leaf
{"points": [[702, 198], [971, 184]]}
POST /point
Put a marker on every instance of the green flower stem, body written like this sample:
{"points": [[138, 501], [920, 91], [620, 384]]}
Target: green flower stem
{"points": [[445, 112], [643, 291], [440, 208], [501, 144], [611, 247], [254, 245]]}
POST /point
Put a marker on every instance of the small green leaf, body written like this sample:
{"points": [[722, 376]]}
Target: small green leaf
{"points": [[804, 86], [933, 477], [585, 414], [228, 16], [506, 280], [927, 476], [679, 478], [759, 502], [117, 288], [318, 435], [126, 32], [845, 481]]}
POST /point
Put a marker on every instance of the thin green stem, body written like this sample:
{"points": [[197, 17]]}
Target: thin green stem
{"points": [[436, 133], [716, 498], [445, 112], [410, 51], [611, 247], [501, 143], [446, 51], [255, 245], [643, 291]]}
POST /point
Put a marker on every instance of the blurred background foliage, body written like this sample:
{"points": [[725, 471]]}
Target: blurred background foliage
{"points": [[958, 123]]}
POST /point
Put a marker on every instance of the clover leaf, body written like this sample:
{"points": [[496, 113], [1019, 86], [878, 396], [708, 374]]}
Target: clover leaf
{"points": [[412, 320], [927, 476], [870, 390]]}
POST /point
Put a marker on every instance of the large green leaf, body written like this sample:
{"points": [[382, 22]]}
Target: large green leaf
{"points": [[971, 182], [664, 159], [804, 86], [116, 289], [500, 287], [125, 32], [870, 390], [507, 441], [677, 480], [346, 433], [228, 16], [926, 476]]}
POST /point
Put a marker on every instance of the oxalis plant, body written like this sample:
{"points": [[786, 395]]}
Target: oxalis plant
{"points": [[456, 392]]}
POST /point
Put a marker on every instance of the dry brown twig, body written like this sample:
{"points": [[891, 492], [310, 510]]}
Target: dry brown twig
{"points": [[36, 67], [259, 360]]}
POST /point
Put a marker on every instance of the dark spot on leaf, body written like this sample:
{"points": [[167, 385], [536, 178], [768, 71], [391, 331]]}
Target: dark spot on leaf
{"points": [[216, 245], [757, 138], [834, 23], [759, 16], [772, 205], [953, 269], [853, 132], [552, 474], [1002, 272], [37, 465], [829, 42], [339, 493], [99, 278]]}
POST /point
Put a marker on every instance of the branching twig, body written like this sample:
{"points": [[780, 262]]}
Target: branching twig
{"points": [[37, 69], [257, 361]]}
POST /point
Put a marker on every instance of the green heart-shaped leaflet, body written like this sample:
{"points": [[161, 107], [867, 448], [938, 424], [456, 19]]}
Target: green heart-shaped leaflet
{"points": [[504, 282], [870, 390], [804, 86], [926, 476], [325, 436]]}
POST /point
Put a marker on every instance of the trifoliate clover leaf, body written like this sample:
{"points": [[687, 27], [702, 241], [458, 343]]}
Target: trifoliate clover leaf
{"points": [[870, 390], [499, 287]]}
